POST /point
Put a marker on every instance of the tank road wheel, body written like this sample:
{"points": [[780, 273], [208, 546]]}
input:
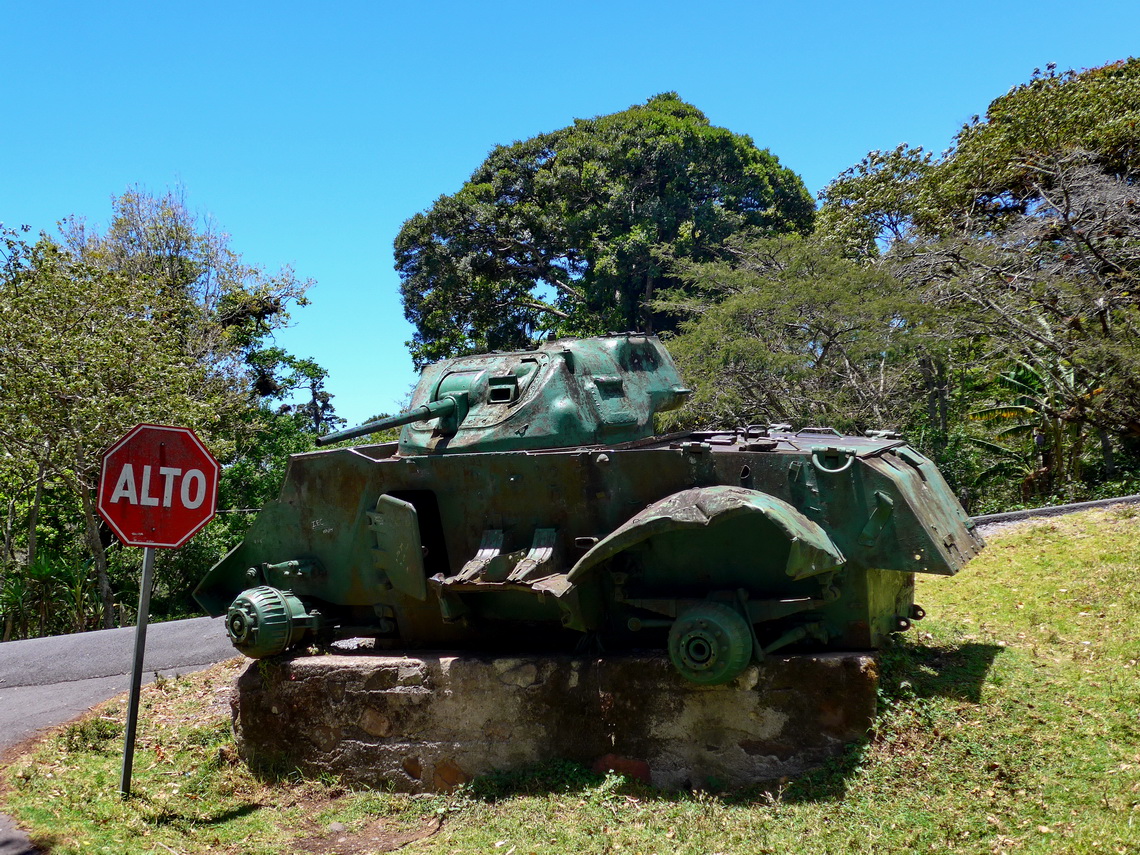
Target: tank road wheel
{"points": [[710, 644]]}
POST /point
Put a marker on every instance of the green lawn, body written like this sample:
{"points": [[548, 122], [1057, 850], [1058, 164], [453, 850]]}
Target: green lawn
{"points": [[1010, 722]]}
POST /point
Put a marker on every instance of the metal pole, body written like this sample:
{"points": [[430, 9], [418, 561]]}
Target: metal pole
{"points": [[136, 671]]}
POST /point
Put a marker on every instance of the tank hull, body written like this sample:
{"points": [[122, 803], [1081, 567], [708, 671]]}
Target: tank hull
{"points": [[813, 539]]}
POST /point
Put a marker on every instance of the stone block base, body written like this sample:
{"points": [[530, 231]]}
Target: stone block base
{"points": [[428, 722]]}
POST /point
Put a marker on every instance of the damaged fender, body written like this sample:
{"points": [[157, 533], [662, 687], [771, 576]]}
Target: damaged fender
{"points": [[811, 550]]}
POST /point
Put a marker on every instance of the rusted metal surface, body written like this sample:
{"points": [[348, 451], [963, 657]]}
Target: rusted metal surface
{"points": [[550, 511]]}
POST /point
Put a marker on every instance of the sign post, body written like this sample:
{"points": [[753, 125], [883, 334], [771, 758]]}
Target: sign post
{"points": [[136, 671], [158, 487]]}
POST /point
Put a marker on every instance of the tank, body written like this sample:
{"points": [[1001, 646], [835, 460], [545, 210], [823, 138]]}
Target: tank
{"points": [[528, 505]]}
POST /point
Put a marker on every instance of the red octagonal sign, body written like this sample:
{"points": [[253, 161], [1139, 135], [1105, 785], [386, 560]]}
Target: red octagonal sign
{"points": [[159, 486]]}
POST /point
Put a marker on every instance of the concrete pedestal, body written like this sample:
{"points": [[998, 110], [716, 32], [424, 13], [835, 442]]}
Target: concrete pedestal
{"points": [[428, 722]]}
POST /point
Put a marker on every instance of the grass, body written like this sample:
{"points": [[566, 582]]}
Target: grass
{"points": [[1010, 722]]}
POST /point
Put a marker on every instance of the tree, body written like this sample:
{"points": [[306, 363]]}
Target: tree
{"points": [[573, 231], [155, 320], [1028, 228], [279, 376], [83, 356], [1037, 444], [223, 307], [1055, 287], [789, 331], [875, 202], [999, 165]]}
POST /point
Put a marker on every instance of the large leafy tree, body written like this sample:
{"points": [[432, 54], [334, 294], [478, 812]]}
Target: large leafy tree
{"points": [[84, 355], [1054, 288], [574, 231], [1002, 165], [1029, 227], [155, 319]]}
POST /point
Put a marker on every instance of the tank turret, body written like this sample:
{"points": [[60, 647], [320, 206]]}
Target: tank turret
{"points": [[568, 392]]}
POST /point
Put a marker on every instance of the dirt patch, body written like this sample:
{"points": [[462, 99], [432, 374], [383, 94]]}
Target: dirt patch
{"points": [[378, 835]]}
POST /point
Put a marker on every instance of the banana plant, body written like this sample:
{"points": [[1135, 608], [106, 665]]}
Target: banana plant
{"points": [[1043, 441], [51, 595], [15, 604]]}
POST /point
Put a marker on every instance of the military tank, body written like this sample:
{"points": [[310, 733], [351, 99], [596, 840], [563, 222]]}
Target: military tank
{"points": [[528, 505]]}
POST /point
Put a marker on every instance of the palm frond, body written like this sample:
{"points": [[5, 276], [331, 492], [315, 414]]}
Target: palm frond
{"points": [[1003, 411], [1008, 453]]}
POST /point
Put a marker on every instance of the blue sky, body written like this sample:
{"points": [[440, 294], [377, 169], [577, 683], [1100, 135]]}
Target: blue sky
{"points": [[311, 132]]}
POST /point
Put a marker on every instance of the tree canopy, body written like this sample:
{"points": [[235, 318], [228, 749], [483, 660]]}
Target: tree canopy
{"points": [[1030, 220], [1026, 234], [574, 231], [1002, 165], [788, 331], [155, 319]]}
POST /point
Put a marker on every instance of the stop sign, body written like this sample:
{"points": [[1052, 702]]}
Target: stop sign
{"points": [[158, 487]]}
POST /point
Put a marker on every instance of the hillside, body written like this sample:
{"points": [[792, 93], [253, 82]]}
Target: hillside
{"points": [[1010, 722]]}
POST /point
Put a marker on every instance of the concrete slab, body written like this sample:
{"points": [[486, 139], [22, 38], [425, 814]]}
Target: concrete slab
{"points": [[432, 721]]}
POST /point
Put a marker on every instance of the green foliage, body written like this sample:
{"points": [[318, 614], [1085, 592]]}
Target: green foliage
{"points": [[279, 376], [1039, 446], [1026, 236], [787, 330], [1001, 166], [875, 200], [999, 162], [566, 232], [85, 354], [53, 594], [156, 319], [1054, 288]]}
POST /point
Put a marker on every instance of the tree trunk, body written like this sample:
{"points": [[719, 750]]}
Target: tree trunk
{"points": [[95, 544], [1053, 455], [1108, 453], [8, 549], [34, 515], [943, 400], [646, 312], [1076, 453], [934, 379]]}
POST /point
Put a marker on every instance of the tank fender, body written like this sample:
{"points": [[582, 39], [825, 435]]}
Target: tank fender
{"points": [[812, 550], [396, 548]]}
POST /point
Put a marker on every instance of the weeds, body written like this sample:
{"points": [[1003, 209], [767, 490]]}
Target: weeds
{"points": [[92, 734]]}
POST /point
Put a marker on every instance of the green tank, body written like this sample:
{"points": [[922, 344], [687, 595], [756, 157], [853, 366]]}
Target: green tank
{"points": [[529, 506]]}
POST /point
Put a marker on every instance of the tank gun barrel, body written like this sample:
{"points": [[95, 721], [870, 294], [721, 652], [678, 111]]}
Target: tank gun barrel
{"points": [[444, 407]]}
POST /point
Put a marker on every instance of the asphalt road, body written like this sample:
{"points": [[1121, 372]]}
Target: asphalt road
{"points": [[48, 681]]}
